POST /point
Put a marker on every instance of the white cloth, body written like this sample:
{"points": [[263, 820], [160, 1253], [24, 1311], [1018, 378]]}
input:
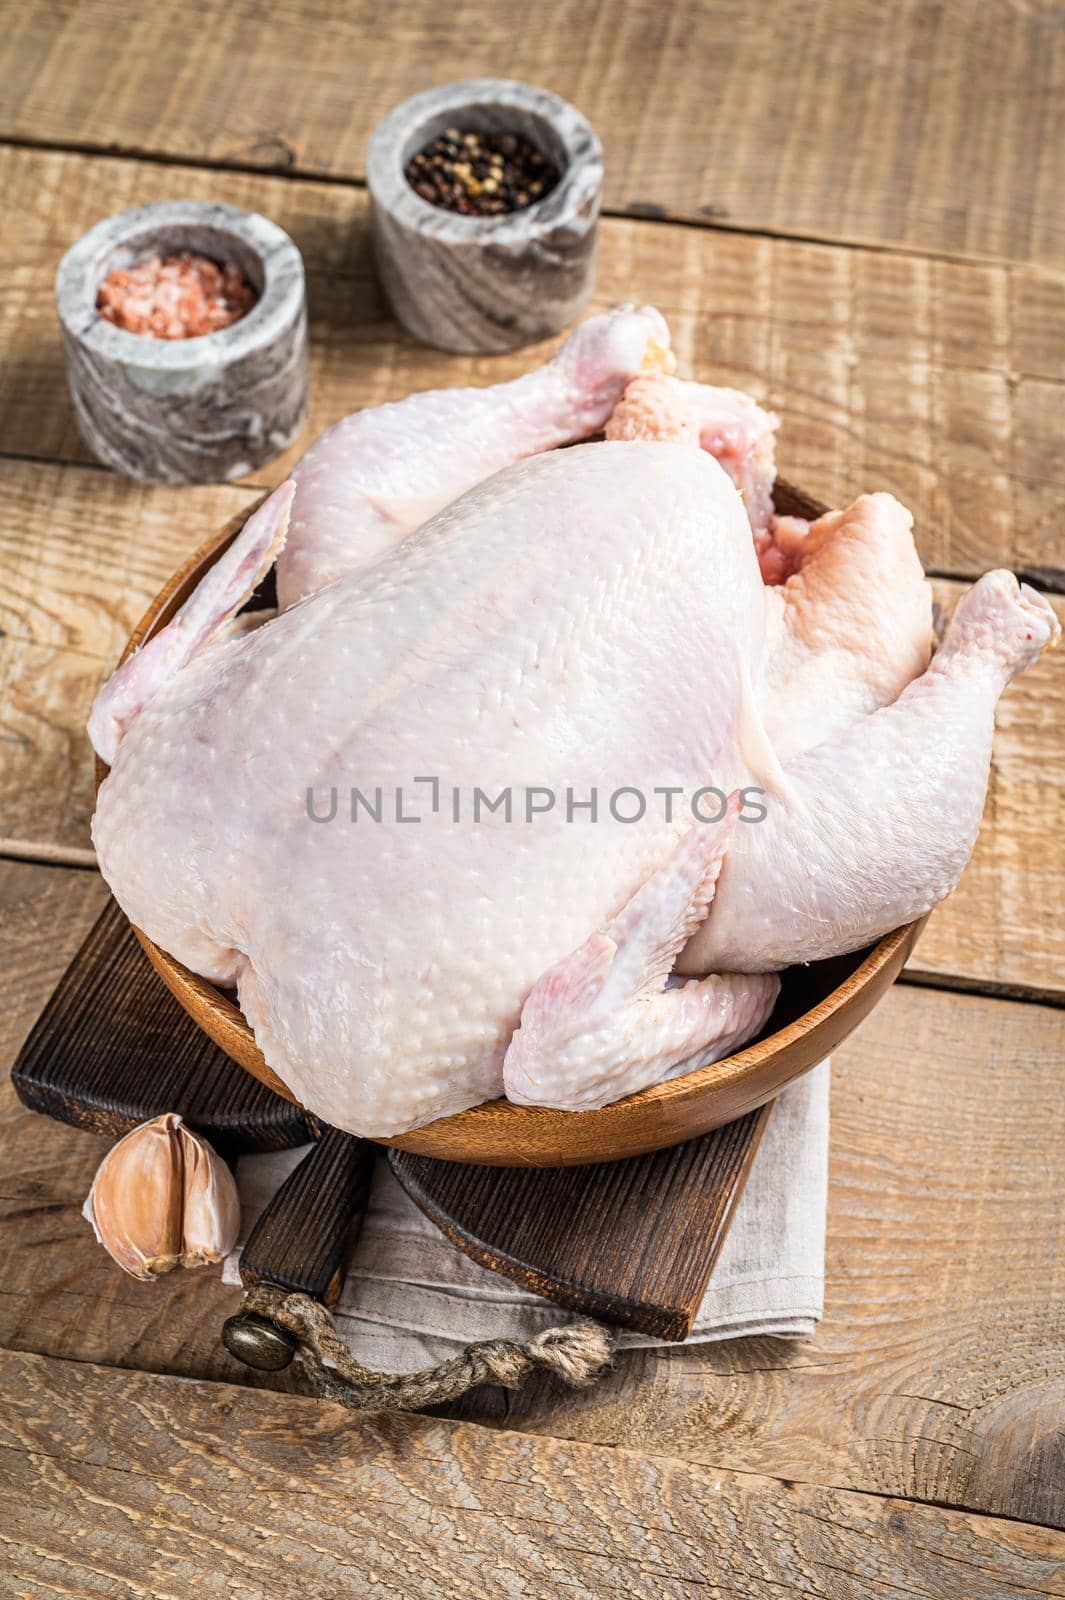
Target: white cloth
{"points": [[412, 1299]]}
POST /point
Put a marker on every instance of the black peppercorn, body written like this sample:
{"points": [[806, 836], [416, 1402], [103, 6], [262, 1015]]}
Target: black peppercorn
{"points": [[481, 174]]}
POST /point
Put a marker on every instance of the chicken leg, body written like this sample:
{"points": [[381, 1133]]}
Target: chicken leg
{"points": [[872, 828], [848, 610]]}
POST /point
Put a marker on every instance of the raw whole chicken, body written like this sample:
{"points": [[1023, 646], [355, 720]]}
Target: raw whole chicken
{"points": [[550, 759]]}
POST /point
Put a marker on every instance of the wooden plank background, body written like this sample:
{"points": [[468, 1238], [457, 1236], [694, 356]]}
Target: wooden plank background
{"points": [[939, 1370], [932, 126], [887, 371], [259, 1494], [856, 212], [940, 381]]}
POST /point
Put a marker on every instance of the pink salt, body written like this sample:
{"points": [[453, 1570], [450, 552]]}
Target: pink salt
{"points": [[175, 297]]}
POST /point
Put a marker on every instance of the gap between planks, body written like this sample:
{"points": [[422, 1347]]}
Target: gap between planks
{"points": [[43, 854], [922, 378], [493, 1433], [634, 213], [1049, 579], [1031, 994]]}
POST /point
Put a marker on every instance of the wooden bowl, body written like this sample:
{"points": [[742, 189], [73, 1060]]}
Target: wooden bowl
{"points": [[819, 1006]]}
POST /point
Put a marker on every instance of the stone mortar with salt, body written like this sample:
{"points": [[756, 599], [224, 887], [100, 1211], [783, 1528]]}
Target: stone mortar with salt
{"points": [[185, 330]]}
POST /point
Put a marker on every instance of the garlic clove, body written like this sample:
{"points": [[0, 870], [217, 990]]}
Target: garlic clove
{"points": [[136, 1199], [163, 1198], [211, 1219]]}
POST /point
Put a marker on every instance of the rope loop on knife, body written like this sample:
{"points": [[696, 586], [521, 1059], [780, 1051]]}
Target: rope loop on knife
{"points": [[578, 1352]]}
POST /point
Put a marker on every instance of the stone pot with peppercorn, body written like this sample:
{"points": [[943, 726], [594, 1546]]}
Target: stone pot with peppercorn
{"points": [[481, 174], [485, 198]]}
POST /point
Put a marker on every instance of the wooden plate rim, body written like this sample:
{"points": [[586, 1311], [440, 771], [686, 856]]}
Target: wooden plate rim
{"points": [[496, 1132]]}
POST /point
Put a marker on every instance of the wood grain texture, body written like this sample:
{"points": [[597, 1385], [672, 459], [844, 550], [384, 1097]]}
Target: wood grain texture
{"points": [[113, 1049], [999, 929], [220, 1492], [80, 553], [938, 1372], [631, 1242], [941, 382], [939, 1368], [934, 126], [304, 1235]]}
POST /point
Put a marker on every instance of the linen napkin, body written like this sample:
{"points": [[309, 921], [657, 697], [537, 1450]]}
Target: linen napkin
{"points": [[411, 1299]]}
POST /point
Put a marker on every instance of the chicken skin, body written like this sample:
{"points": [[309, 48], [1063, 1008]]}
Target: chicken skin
{"points": [[550, 758]]}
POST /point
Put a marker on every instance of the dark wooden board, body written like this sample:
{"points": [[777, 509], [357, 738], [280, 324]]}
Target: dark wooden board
{"points": [[113, 1048], [300, 1241], [632, 1242]]}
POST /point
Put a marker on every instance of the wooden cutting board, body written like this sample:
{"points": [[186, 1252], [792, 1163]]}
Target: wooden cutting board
{"points": [[630, 1242]]}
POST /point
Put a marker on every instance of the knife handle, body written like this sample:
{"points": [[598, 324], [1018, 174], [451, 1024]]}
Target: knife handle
{"points": [[302, 1241]]}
